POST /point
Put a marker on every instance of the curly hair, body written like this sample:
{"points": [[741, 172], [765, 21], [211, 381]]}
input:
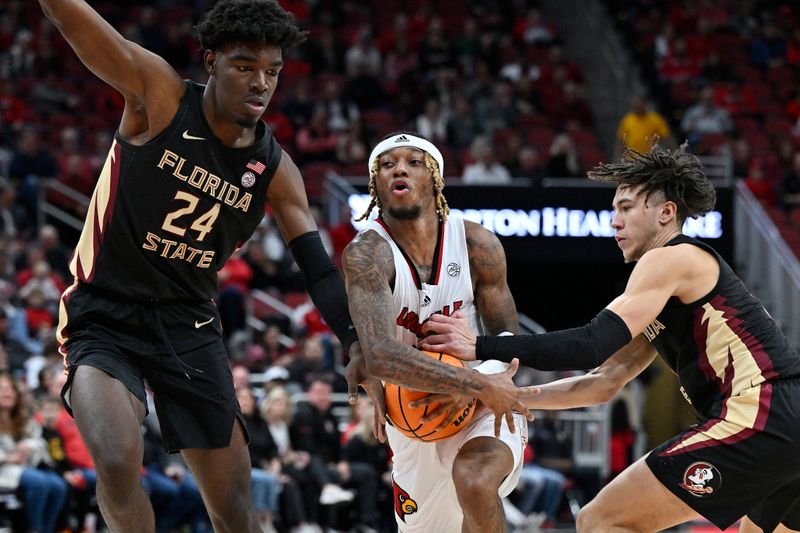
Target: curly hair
{"points": [[261, 21], [442, 208], [677, 174]]}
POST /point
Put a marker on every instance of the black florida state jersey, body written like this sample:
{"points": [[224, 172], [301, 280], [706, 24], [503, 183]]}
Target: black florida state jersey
{"points": [[165, 216], [724, 347]]}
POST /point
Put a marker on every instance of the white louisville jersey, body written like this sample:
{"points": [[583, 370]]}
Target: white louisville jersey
{"points": [[449, 288], [424, 494]]}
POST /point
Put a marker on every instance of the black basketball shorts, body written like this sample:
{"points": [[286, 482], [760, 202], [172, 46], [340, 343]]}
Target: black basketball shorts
{"points": [[753, 473], [176, 348]]}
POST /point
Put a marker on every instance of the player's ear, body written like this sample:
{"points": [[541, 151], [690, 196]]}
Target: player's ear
{"points": [[668, 212], [210, 61]]}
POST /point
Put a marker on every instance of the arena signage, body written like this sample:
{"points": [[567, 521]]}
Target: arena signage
{"points": [[560, 223]]}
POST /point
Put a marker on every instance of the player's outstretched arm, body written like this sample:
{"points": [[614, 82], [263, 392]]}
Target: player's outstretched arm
{"points": [[143, 78], [660, 274], [287, 197], [597, 386]]}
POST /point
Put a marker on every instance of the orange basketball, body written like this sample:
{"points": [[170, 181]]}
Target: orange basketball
{"points": [[406, 420]]}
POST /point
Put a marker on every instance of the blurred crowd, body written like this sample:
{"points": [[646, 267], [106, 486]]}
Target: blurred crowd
{"points": [[726, 75]]}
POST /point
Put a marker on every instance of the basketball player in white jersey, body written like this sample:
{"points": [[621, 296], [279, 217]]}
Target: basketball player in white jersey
{"points": [[409, 263]]}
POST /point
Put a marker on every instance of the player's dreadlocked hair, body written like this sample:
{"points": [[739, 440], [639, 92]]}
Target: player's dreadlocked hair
{"points": [[442, 209], [262, 21], [676, 173]]}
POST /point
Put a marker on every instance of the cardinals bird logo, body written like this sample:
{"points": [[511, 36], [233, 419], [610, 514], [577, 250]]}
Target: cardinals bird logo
{"points": [[403, 504]]}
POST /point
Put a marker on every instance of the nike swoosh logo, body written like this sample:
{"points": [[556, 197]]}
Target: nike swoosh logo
{"points": [[198, 324], [192, 137]]}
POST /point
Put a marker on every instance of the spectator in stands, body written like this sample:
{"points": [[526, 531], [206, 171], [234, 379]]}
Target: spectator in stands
{"points": [[527, 165], [264, 484], [30, 163], [326, 52], [562, 158], [22, 450], [240, 376], [48, 95], [16, 353], [234, 279], [759, 184], [705, 117], [310, 365], [342, 113], [316, 141], [501, 109], [315, 429], [56, 254], [363, 57], [399, 65], [553, 449], [769, 49], [365, 89], [573, 111], [79, 500], [533, 30], [543, 488], [432, 123], [39, 316], [271, 351], [485, 170], [300, 104], [742, 156], [268, 273], [462, 125], [790, 187], [361, 446], [14, 219], [640, 127], [43, 281], [299, 494], [435, 51]]}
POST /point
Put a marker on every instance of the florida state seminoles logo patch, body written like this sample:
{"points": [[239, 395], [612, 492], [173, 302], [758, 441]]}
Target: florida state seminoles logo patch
{"points": [[701, 480], [403, 504]]}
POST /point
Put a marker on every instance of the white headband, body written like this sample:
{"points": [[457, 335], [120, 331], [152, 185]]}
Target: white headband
{"points": [[404, 139]]}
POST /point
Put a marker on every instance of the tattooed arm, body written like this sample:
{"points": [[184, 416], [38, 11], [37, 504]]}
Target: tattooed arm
{"points": [[487, 261], [369, 267]]}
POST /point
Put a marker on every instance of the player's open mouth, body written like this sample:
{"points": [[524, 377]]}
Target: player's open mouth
{"points": [[400, 188]]}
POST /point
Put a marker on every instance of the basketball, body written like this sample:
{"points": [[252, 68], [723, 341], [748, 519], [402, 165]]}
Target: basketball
{"points": [[407, 420]]}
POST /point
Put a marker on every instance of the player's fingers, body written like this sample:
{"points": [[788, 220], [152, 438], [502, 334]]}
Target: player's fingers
{"points": [[512, 367], [510, 422], [448, 418], [352, 392], [498, 420], [523, 409], [428, 400]]}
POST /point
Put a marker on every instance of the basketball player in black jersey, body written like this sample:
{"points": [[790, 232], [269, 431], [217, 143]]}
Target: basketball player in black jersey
{"points": [[185, 184], [682, 301]]}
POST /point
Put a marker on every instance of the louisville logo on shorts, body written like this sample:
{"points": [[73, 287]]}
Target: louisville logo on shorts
{"points": [[701, 479], [403, 504]]}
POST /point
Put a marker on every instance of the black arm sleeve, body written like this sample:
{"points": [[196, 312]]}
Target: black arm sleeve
{"points": [[569, 349], [325, 285]]}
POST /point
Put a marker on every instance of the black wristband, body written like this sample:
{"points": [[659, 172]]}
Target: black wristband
{"points": [[325, 284], [581, 348]]}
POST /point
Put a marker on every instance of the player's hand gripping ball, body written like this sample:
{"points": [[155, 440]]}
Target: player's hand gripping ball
{"points": [[407, 420]]}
